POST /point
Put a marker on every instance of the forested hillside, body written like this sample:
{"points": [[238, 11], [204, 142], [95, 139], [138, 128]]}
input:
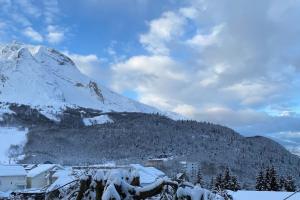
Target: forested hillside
{"points": [[136, 137]]}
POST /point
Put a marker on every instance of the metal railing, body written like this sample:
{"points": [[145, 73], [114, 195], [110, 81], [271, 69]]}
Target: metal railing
{"points": [[291, 195]]}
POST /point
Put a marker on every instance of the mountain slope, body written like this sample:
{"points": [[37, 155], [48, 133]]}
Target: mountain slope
{"points": [[72, 119], [136, 137], [48, 80]]}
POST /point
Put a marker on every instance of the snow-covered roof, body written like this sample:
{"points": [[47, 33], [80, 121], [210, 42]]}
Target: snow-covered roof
{"points": [[40, 169], [63, 177], [147, 174], [12, 170]]}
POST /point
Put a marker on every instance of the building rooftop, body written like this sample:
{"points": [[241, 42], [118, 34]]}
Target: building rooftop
{"points": [[147, 174], [40, 169], [12, 170]]}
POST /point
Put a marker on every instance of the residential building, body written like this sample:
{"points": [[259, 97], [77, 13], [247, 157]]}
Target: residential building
{"points": [[12, 177]]}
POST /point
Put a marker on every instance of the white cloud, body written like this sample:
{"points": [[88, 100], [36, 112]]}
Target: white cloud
{"points": [[162, 31], [189, 12], [55, 35], [211, 62], [39, 20], [146, 69], [90, 65], [85, 63], [51, 11], [202, 40], [185, 110], [252, 92], [29, 8], [19, 18], [33, 35]]}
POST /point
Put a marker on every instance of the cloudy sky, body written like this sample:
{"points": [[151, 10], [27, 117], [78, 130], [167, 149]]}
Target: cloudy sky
{"points": [[235, 63]]}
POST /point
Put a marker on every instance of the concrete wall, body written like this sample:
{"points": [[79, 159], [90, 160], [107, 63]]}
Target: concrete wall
{"points": [[38, 181], [12, 183]]}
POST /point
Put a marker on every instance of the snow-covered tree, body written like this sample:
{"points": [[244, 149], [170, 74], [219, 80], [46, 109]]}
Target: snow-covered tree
{"points": [[260, 181], [234, 185], [218, 183], [289, 184], [199, 177], [226, 179], [196, 193], [14, 152], [118, 185], [274, 186], [281, 183], [212, 184], [267, 179]]}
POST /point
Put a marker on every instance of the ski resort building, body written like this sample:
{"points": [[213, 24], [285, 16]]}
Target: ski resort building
{"points": [[12, 177]]}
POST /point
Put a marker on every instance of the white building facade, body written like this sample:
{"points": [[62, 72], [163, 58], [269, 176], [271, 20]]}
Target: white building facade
{"points": [[12, 178], [40, 176]]}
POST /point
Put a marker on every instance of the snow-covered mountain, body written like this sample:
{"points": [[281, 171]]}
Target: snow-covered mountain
{"points": [[49, 81], [50, 111]]}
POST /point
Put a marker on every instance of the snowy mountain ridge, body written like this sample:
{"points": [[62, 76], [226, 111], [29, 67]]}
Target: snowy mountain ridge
{"points": [[50, 82]]}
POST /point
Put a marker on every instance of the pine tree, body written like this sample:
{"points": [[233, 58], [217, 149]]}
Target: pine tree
{"points": [[274, 186], [281, 183], [212, 184], [199, 177], [234, 186], [219, 185], [267, 180], [289, 184], [227, 179], [260, 182]]}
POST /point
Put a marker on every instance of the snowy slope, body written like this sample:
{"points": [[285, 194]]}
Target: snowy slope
{"points": [[97, 120], [46, 79]]}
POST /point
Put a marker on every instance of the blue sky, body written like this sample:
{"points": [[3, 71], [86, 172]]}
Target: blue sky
{"points": [[234, 63]]}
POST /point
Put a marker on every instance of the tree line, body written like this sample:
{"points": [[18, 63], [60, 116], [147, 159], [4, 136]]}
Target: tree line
{"points": [[268, 180], [225, 181]]}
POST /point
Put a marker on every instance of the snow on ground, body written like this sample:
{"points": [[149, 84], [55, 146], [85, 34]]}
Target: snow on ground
{"points": [[10, 136], [4, 109], [4, 195], [263, 195], [102, 119]]}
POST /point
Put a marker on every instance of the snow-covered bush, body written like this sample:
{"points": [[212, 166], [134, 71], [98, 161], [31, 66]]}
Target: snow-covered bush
{"points": [[196, 193], [119, 184]]}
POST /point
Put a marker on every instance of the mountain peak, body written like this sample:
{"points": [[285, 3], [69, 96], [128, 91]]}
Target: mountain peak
{"points": [[43, 77]]}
